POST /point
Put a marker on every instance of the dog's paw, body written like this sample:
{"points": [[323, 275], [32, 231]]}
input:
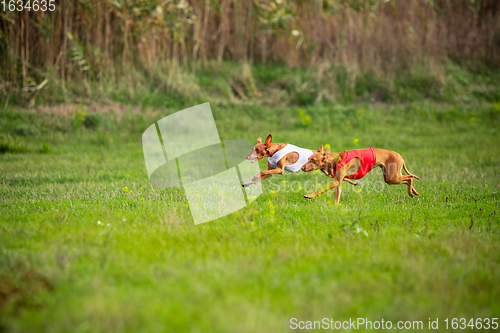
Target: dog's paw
{"points": [[309, 196], [355, 183]]}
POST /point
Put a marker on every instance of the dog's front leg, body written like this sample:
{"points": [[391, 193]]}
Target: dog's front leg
{"points": [[338, 190], [351, 182], [257, 178], [345, 179], [341, 176], [334, 184], [263, 175]]}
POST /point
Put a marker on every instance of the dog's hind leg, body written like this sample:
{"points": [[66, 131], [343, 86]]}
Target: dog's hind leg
{"points": [[408, 172], [411, 189], [393, 176], [415, 191], [409, 182]]}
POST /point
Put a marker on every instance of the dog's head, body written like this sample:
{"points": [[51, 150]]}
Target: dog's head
{"points": [[316, 161], [261, 149]]}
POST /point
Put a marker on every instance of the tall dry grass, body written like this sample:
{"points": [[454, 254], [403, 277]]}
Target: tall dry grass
{"points": [[88, 38]]}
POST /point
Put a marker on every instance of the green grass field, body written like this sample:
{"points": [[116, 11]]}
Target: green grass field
{"points": [[147, 268]]}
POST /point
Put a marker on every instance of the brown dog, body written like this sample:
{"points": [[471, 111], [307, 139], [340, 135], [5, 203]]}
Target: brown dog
{"points": [[355, 164], [282, 156]]}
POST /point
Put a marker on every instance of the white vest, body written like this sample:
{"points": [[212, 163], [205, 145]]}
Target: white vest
{"points": [[304, 155]]}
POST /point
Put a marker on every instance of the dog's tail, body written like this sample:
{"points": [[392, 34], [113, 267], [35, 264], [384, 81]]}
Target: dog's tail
{"points": [[408, 172]]}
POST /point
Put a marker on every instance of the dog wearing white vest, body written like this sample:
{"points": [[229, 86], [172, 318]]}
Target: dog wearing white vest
{"points": [[281, 157]]}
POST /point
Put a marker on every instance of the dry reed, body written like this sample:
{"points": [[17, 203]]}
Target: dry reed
{"points": [[84, 39]]}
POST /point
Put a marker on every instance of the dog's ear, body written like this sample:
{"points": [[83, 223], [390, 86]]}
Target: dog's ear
{"points": [[269, 139], [328, 151], [320, 150], [259, 140]]}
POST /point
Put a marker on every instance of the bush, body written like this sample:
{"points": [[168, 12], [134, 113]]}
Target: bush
{"points": [[88, 120], [9, 144], [45, 149], [93, 120], [26, 130]]}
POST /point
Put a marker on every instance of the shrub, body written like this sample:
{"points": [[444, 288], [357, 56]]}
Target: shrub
{"points": [[9, 144], [26, 130]]}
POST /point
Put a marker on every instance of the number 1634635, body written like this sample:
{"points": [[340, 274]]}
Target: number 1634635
{"points": [[29, 5]]}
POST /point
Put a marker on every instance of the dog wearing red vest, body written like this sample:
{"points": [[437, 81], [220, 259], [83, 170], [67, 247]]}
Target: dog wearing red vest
{"points": [[355, 164]]}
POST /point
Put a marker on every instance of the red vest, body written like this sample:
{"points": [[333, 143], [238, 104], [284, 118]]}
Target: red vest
{"points": [[367, 158]]}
